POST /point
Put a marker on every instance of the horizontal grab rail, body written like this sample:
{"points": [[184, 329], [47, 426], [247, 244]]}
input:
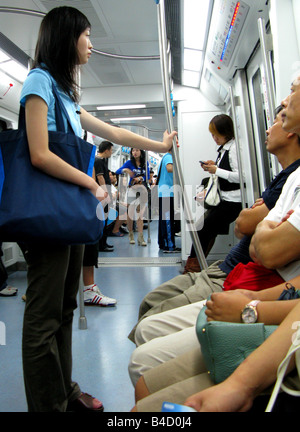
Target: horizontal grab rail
{"points": [[31, 12]]}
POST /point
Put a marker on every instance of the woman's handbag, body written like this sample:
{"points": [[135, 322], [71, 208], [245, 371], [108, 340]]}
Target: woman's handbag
{"points": [[225, 345], [212, 196], [36, 207]]}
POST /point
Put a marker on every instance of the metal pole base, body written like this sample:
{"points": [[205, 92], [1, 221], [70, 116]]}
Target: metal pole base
{"points": [[82, 323]]}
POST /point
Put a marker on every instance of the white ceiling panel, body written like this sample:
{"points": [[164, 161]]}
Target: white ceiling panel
{"points": [[121, 27]]}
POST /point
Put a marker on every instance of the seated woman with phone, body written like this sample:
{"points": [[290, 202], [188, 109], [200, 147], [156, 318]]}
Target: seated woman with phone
{"points": [[217, 219]]}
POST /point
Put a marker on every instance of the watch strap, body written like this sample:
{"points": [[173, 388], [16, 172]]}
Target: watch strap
{"points": [[253, 303]]}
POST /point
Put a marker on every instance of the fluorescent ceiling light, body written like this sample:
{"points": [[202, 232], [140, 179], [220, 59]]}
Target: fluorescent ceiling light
{"points": [[130, 118], [15, 70], [191, 79], [192, 60], [120, 107], [195, 23]]}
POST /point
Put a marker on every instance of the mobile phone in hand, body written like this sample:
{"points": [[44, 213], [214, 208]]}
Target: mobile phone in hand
{"points": [[172, 407]]}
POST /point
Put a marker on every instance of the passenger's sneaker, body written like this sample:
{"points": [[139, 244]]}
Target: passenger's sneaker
{"points": [[8, 291], [93, 296], [175, 250]]}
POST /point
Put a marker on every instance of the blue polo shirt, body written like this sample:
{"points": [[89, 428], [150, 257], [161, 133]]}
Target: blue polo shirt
{"points": [[165, 183], [39, 82]]}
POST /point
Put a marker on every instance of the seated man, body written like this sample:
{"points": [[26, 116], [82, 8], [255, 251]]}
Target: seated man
{"points": [[171, 333], [281, 228], [193, 287]]}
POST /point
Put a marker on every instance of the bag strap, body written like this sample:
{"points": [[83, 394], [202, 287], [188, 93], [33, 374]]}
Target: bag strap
{"points": [[219, 154], [59, 108], [214, 178], [281, 374]]}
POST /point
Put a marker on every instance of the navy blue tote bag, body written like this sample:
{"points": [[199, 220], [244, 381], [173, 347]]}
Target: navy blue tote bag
{"points": [[36, 207]]}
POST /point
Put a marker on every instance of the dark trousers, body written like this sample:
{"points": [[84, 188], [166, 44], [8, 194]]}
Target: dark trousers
{"points": [[166, 228], [216, 221], [103, 240], [53, 282]]}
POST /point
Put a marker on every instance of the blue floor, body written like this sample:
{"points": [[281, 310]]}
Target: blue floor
{"points": [[102, 351]]}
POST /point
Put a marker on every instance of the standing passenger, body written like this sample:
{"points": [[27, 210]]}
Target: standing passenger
{"points": [[91, 291], [166, 228], [135, 167], [103, 179], [54, 271]]}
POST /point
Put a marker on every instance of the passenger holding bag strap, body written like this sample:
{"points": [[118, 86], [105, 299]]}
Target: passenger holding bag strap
{"points": [[37, 207], [54, 268]]}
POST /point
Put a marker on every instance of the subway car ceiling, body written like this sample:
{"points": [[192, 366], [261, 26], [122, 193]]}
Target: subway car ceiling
{"points": [[130, 28]]}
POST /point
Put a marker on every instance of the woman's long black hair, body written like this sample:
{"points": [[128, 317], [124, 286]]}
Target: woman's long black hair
{"points": [[56, 47], [142, 159]]}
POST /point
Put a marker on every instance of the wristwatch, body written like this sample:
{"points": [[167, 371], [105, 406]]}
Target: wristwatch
{"points": [[249, 314]]}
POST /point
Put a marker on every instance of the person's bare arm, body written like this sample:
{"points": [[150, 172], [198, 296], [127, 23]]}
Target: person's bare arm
{"points": [[249, 218], [275, 245], [169, 168], [256, 373], [227, 306], [123, 136]]}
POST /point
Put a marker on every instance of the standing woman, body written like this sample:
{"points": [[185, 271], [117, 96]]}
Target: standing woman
{"points": [[135, 167], [54, 271], [217, 219]]}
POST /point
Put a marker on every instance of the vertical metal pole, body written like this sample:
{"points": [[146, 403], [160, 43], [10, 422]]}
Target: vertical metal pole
{"points": [[147, 179], [148, 209], [82, 323], [167, 98], [238, 149]]}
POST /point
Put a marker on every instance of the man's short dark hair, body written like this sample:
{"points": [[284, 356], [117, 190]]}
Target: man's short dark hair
{"points": [[105, 145]]}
